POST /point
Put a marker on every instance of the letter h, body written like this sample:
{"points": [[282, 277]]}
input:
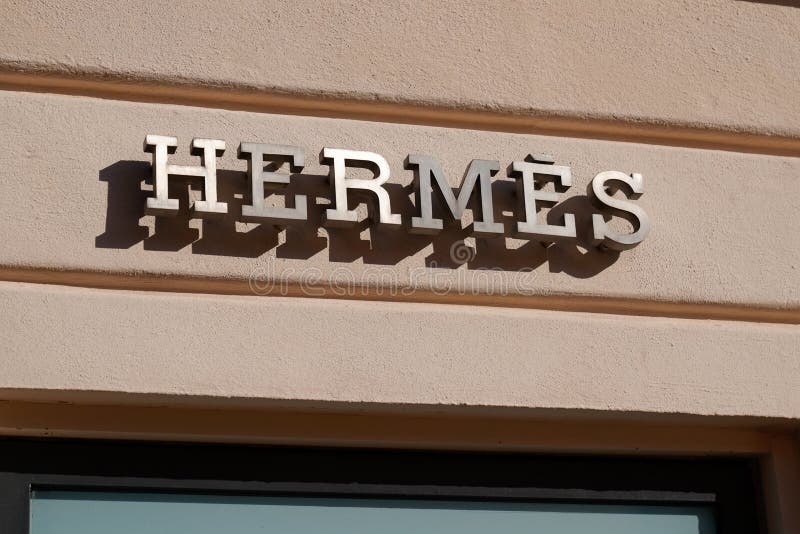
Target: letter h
{"points": [[208, 150]]}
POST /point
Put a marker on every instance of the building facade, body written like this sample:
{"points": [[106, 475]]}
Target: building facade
{"points": [[556, 232]]}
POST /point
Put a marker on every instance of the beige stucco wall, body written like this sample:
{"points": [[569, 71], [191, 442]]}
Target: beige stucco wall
{"points": [[721, 226], [721, 63], [424, 355], [697, 326]]}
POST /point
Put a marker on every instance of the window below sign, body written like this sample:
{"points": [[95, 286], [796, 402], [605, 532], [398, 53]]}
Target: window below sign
{"points": [[80, 512], [100, 487]]}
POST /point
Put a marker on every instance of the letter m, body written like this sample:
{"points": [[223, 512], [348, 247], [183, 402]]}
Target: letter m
{"points": [[479, 170]]}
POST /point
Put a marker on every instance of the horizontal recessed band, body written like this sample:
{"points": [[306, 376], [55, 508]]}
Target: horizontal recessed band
{"points": [[243, 287], [244, 98]]}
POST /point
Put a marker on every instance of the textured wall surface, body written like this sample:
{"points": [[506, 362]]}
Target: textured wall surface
{"points": [[725, 235], [720, 63], [394, 353], [723, 229], [697, 326]]}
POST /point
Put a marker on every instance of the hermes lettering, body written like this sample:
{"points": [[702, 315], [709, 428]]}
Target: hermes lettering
{"points": [[530, 174]]}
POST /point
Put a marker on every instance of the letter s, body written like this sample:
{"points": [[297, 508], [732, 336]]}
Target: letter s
{"points": [[603, 235]]}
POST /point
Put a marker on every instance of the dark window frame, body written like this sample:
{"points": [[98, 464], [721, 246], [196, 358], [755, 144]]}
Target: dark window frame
{"points": [[730, 484]]}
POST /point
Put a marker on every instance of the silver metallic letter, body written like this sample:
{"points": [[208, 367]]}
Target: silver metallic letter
{"points": [[527, 193], [478, 169], [259, 212], [342, 217], [160, 146], [208, 150], [603, 235]]}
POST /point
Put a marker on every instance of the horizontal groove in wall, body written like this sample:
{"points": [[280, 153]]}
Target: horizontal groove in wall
{"points": [[568, 303], [652, 433], [323, 105]]}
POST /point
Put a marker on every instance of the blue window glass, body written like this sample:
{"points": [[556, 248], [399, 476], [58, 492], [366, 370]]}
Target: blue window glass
{"points": [[93, 512]]}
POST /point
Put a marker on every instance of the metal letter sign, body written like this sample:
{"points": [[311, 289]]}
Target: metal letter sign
{"points": [[255, 153], [530, 174], [479, 170], [340, 216], [528, 194], [603, 235], [208, 150]]}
